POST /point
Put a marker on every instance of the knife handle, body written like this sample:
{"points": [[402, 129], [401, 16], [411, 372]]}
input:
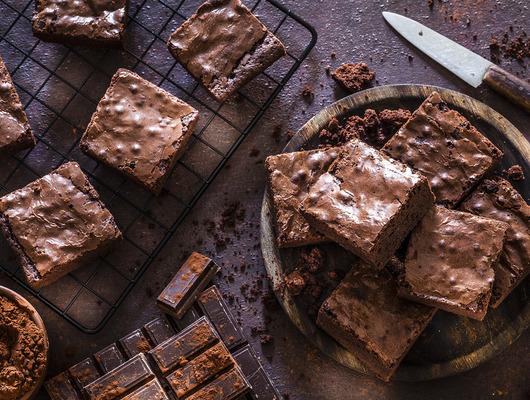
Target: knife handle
{"points": [[515, 89]]}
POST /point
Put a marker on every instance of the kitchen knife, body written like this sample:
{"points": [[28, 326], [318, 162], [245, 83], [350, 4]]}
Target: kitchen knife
{"points": [[462, 62]]}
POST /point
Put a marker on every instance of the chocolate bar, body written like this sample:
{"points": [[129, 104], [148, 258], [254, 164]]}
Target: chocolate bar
{"points": [[150, 391], [201, 369], [109, 358], [189, 281], [228, 386], [135, 343], [217, 311], [262, 386], [83, 373], [188, 318], [159, 330], [60, 388], [181, 348], [126, 378]]}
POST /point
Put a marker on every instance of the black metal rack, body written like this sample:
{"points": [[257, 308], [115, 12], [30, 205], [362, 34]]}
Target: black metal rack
{"points": [[60, 87]]}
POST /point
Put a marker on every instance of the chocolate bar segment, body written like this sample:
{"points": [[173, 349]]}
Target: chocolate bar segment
{"points": [[189, 317], [135, 343], [228, 386], [150, 391], [190, 280], [181, 348], [126, 378], [158, 330], [60, 388], [216, 309], [109, 358], [84, 373], [200, 370]]}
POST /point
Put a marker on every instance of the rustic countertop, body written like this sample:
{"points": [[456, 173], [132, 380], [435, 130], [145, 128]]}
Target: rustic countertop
{"points": [[354, 30]]}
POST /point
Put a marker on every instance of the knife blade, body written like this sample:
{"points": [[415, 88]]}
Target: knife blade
{"points": [[467, 65]]}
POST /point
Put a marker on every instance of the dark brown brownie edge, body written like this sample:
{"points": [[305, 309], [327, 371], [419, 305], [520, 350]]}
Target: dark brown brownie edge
{"points": [[24, 142]]}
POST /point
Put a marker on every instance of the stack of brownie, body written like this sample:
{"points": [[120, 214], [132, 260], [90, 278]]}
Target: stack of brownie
{"points": [[464, 240]]}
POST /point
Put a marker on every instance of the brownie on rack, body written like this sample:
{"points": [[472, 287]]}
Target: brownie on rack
{"points": [[223, 45]]}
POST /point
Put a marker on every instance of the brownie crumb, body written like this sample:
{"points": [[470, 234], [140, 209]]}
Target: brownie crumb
{"points": [[295, 283], [308, 94], [354, 76], [517, 48], [515, 173]]}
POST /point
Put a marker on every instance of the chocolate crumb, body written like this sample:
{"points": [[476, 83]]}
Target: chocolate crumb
{"points": [[515, 173], [354, 76], [308, 94]]}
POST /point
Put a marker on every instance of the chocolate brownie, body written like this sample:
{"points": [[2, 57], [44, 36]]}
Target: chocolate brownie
{"points": [[365, 316], [497, 199], [444, 146], [139, 130], [224, 46], [86, 22], [15, 132], [367, 202], [289, 176], [354, 76], [55, 224], [450, 259]]}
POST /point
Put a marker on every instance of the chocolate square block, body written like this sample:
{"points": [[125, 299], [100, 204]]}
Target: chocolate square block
{"points": [[442, 144], [229, 386], [55, 224], [223, 45], [15, 132], [450, 260], [83, 373], [367, 202], [150, 391], [497, 199], [159, 330], [365, 316], [135, 343], [289, 177], [109, 358], [60, 388], [139, 130], [99, 23]]}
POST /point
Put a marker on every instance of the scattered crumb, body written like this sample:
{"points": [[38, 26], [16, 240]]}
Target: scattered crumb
{"points": [[308, 94], [515, 173], [517, 48], [354, 76]]}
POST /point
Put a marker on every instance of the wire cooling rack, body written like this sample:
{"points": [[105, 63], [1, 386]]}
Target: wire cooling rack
{"points": [[60, 87]]}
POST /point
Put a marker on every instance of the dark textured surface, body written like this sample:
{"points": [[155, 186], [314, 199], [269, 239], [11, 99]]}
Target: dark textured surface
{"points": [[355, 31]]}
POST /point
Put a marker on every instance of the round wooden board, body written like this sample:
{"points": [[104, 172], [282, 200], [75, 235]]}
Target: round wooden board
{"points": [[450, 344]]}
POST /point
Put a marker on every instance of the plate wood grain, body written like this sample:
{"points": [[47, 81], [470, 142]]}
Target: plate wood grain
{"points": [[451, 344]]}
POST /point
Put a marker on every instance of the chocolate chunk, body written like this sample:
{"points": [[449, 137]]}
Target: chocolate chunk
{"points": [[150, 391], [84, 373], [515, 173], [178, 350], [109, 358], [231, 385], [354, 76], [191, 278], [215, 308], [124, 379], [202, 368], [135, 343], [158, 330], [60, 388]]}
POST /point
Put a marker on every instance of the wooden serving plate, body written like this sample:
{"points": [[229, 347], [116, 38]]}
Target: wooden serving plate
{"points": [[450, 344]]}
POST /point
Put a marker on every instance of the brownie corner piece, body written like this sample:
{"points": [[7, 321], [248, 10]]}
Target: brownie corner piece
{"points": [[367, 202], [99, 23], [450, 261], [365, 316], [496, 198], [223, 45], [15, 131], [444, 146], [139, 130], [55, 223]]}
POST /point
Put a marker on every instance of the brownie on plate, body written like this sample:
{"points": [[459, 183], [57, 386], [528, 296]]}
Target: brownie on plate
{"points": [[442, 144], [497, 199], [224, 46], [365, 315], [289, 176], [99, 23], [15, 132], [450, 260], [139, 130], [367, 202], [55, 223]]}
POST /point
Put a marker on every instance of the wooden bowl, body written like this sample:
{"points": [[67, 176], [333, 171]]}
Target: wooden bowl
{"points": [[450, 344], [35, 317]]}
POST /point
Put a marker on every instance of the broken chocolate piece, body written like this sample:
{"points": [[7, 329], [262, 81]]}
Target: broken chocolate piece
{"points": [[60, 388], [158, 330], [135, 343], [354, 76], [109, 358]]}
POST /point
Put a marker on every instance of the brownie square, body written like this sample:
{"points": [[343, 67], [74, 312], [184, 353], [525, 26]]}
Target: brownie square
{"points": [[95, 23], [55, 224], [450, 260], [15, 132], [289, 177], [223, 45], [139, 129], [365, 315], [497, 199], [442, 144], [367, 202]]}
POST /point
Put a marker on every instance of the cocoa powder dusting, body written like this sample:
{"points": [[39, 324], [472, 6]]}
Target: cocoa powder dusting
{"points": [[22, 351]]}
